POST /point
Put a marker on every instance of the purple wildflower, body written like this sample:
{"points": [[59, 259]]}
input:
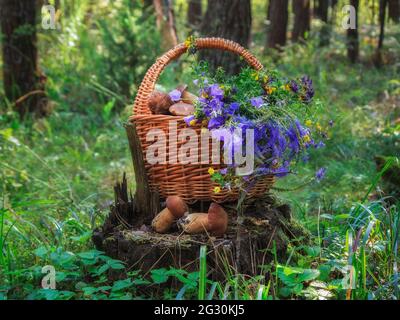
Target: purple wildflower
{"points": [[216, 122], [320, 174], [233, 107], [175, 95], [308, 88], [188, 119], [331, 123], [319, 145], [216, 91], [257, 102], [294, 86]]}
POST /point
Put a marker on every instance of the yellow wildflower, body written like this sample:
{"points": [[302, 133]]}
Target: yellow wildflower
{"points": [[318, 127], [270, 90], [306, 138], [217, 190], [255, 76], [308, 123], [211, 171], [287, 87], [193, 122]]}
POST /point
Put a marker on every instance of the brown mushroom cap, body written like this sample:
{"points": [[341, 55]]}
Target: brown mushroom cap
{"points": [[182, 109], [177, 206], [159, 102], [217, 219]]}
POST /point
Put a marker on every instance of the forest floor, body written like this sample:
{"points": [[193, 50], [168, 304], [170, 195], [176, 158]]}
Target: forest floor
{"points": [[57, 177]]}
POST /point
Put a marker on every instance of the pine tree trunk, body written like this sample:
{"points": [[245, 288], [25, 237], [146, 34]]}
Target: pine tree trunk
{"points": [[229, 19], [382, 18], [352, 37], [301, 9], [23, 82], [279, 20], [194, 14], [394, 10], [323, 6]]}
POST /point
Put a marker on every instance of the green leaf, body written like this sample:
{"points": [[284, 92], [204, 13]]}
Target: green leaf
{"points": [[108, 108], [159, 275], [102, 269], [83, 238], [313, 251], [41, 252], [122, 284]]}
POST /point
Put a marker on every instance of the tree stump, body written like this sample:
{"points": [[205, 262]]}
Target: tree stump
{"points": [[252, 240], [247, 248]]}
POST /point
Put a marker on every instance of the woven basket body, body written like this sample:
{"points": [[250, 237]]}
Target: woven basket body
{"points": [[190, 181]]}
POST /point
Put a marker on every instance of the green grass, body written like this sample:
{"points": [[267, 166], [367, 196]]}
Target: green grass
{"points": [[57, 174]]}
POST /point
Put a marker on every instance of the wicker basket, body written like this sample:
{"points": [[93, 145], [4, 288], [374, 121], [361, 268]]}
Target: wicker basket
{"points": [[191, 181]]}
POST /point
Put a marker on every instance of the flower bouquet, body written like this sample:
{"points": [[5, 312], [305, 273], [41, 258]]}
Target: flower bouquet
{"points": [[275, 110]]}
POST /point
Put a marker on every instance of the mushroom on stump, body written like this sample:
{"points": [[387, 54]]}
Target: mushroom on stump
{"points": [[175, 209], [215, 221]]}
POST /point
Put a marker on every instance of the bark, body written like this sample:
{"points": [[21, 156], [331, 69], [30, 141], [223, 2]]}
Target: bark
{"points": [[165, 19], [301, 26], [352, 37], [382, 18], [323, 10], [394, 10], [194, 14], [229, 19], [147, 201], [23, 82], [378, 60], [278, 24]]}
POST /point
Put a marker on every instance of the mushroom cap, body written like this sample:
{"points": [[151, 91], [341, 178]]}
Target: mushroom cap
{"points": [[159, 102], [217, 219], [182, 109], [177, 206]]}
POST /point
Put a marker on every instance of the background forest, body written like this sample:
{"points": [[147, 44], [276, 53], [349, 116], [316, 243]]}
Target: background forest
{"points": [[68, 81]]}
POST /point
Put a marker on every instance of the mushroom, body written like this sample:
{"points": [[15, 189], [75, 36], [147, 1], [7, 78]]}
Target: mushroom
{"points": [[182, 109], [187, 96], [174, 210], [215, 221], [159, 102]]}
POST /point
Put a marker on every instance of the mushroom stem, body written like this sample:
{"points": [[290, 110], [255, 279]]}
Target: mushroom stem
{"points": [[175, 209], [163, 221], [215, 221], [195, 223]]}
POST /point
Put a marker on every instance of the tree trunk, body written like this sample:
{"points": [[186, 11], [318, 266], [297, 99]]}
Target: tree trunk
{"points": [[23, 82], [229, 19], [279, 20], [394, 10], [165, 19], [352, 36], [194, 14], [382, 18], [323, 6], [301, 9]]}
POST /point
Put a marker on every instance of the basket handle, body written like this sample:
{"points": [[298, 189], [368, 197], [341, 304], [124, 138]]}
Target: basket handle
{"points": [[149, 81]]}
